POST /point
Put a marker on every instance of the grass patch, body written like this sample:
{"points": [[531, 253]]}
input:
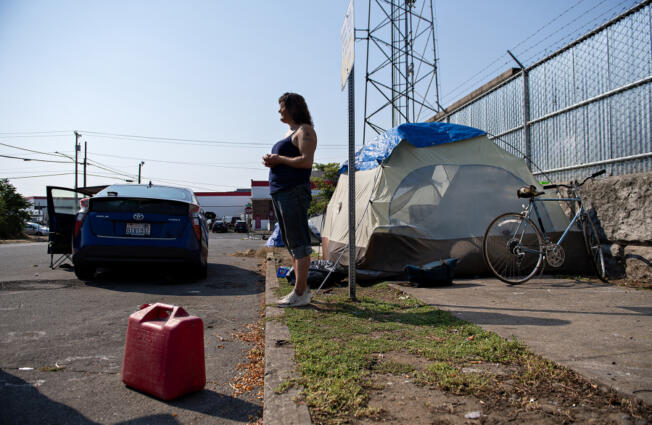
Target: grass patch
{"points": [[348, 352], [338, 343]]}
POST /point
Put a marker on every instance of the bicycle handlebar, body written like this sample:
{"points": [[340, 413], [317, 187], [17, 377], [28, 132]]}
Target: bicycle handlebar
{"points": [[594, 175]]}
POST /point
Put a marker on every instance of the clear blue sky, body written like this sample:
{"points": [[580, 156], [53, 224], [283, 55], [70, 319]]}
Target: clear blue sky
{"points": [[213, 70]]}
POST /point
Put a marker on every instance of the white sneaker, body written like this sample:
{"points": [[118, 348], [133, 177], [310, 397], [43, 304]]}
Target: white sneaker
{"points": [[286, 297], [294, 300]]}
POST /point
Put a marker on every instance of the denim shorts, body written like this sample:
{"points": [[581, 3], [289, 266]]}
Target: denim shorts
{"points": [[291, 209]]}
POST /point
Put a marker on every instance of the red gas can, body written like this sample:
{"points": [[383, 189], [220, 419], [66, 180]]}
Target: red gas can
{"points": [[164, 352]]}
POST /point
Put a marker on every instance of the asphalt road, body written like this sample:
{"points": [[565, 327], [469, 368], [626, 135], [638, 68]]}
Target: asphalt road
{"points": [[49, 319]]}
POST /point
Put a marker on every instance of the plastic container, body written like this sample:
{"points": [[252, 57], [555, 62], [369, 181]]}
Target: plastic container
{"points": [[164, 352], [283, 271]]}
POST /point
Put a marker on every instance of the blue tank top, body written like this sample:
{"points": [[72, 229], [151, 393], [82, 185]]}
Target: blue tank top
{"points": [[283, 176]]}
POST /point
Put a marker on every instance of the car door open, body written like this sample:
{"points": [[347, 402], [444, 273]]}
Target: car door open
{"points": [[62, 207]]}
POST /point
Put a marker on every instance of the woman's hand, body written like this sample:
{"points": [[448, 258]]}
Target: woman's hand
{"points": [[271, 160]]}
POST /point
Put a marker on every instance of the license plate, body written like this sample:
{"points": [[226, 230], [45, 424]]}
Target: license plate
{"points": [[137, 229]]}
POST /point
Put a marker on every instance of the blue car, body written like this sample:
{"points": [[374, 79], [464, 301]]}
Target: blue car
{"points": [[128, 224]]}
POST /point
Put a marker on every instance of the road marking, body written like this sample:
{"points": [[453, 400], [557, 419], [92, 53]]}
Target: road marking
{"points": [[25, 336]]}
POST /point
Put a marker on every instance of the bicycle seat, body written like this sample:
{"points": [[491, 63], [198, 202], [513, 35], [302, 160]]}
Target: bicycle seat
{"points": [[528, 192]]}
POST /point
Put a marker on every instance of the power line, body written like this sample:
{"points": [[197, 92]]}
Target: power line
{"points": [[548, 24], [186, 181], [178, 162], [29, 150], [33, 159], [581, 29], [41, 175], [585, 13], [110, 169], [37, 132], [554, 33], [181, 141]]}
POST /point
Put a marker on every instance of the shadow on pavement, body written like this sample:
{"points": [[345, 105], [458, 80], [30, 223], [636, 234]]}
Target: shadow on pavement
{"points": [[219, 405], [22, 403], [484, 318], [222, 280], [638, 311]]}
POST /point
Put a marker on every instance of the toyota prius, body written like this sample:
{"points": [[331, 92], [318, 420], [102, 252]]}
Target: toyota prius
{"points": [[130, 224]]}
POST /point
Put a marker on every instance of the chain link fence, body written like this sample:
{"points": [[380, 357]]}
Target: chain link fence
{"points": [[586, 107]]}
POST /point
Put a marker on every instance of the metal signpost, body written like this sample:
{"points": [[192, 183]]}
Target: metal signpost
{"points": [[348, 53]]}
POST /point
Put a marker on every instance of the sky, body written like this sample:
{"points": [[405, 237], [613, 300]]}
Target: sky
{"points": [[191, 88]]}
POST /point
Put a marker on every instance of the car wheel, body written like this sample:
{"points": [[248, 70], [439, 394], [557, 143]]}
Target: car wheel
{"points": [[84, 272], [202, 272], [198, 271]]}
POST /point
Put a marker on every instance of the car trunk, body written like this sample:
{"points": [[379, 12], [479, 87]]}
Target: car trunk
{"points": [[138, 217]]}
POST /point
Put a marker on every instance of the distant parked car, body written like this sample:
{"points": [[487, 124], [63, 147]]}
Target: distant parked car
{"points": [[127, 224], [240, 226], [219, 227], [35, 229]]}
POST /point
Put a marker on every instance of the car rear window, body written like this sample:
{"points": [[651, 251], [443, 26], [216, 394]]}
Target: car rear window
{"points": [[152, 206], [150, 192]]}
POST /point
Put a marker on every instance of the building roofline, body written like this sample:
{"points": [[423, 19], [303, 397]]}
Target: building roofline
{"points": [[223, 193]]}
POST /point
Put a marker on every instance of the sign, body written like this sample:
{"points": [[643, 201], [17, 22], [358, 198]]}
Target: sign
{"points": [[249, 210], [348, 43]]}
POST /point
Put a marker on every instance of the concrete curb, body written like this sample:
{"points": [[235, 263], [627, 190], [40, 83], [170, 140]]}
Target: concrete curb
{"points": [[279, 362]]}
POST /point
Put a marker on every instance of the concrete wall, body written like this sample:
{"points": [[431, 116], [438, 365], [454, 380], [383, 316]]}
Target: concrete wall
{"points": [[623, 206]]}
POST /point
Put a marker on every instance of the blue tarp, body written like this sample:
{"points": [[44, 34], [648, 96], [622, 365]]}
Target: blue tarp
{"points": [[275, 239], [420, 135]]}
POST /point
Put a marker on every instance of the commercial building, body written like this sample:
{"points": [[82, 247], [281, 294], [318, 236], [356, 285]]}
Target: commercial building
{"points": [[38, 209]]}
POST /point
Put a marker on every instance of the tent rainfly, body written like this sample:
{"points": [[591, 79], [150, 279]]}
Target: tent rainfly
{"points": [[427, 191]]}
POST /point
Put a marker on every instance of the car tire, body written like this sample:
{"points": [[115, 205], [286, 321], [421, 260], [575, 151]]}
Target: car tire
{"points": [[198, 272], [84, 271]]}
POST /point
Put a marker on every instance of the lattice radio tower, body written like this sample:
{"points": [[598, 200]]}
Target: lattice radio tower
{"points": [[401, 73]]}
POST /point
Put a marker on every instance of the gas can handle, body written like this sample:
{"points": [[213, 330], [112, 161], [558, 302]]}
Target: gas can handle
{"points": [[178, 311], [156, 310]]}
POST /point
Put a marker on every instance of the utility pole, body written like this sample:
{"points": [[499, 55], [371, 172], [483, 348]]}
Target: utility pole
{"points": [[139, 168], [85, 157], [77, 136]]}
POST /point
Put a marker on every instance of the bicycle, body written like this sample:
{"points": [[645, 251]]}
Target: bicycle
{"points": [[514, 247]]}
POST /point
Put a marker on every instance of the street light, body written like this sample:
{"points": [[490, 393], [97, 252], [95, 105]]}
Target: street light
{"points": [[139, 168]]}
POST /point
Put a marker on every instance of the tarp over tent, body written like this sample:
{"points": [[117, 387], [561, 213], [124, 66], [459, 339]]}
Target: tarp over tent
{"points": [[276, 239], [427, 191]]}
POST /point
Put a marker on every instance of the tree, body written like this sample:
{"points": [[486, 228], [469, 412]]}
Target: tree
{"points": [[13, 212], [325, 180]]}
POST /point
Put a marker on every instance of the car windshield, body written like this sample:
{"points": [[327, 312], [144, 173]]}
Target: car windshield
{"points": [[150, 192]]}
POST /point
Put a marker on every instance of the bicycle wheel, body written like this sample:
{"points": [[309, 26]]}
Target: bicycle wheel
{"points": [[593, 247], [513, 248]]}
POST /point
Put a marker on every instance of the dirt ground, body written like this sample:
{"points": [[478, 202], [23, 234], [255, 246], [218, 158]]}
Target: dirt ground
{"points": [[401, 401], [25, 239]]}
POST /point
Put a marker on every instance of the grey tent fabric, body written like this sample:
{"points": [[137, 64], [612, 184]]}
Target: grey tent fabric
{"points": [[422, 204]]}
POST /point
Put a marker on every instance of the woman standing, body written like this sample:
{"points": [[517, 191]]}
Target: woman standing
{"points": [[290, 164]]}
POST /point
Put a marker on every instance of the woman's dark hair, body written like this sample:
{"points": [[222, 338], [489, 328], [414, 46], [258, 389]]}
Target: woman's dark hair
{"points": [[296, 106]]}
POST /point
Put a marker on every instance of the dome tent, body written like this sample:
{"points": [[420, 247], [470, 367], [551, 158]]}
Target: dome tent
{"points": [[427, 191]]}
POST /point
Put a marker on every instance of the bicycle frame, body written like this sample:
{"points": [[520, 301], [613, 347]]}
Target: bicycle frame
{"points": [[532, 207]]}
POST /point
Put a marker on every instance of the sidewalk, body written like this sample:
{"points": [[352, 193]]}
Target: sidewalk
{"points": [[601, 331]]}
